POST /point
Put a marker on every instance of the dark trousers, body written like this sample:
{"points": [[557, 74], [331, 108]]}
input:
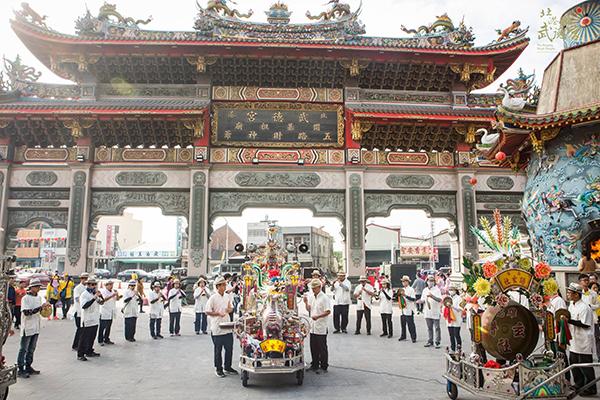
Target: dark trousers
{"points": [[419, 305], [174, 321], [340, 316], [386, 324], [455, 339], [582, 376], [359, 316], [25, 357], [17, 315], [86, 340], [54, 303], [155, 325], [597, 338], [200, 322], [219, 343], [75, 344], [130, 325], [319, 352], [104, 331], [66, 306], [408, 320]]}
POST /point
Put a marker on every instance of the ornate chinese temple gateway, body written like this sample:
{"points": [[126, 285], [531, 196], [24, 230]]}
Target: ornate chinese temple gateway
{"points": [[236, 114]]}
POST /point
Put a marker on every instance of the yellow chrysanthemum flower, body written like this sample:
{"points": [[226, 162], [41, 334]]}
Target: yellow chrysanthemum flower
{"points": [[550, 287], [482, 286]]}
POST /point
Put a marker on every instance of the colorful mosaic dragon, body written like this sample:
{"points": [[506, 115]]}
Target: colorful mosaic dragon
{"points": [[110, 10], [337, 11], [218, 6]]}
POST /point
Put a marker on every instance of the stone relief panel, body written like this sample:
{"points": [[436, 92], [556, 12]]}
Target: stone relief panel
{"points": [[356, 212], [41, 178], [37, 203], [437, 204], [500, 182], [23, 218], [410, 181], [229, 179], [386, 181], [469, 215], [78, 199], [141, 178], [38, 194], [278, 179], [167, 178], [198, 223], [113, 202]]}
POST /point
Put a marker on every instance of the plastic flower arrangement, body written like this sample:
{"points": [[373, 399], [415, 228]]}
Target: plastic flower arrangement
{"points": [[506, 269]]}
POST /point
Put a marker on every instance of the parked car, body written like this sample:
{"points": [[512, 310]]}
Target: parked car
{"points": [[128, 273], [102, 273], [26, 276], [161, 274], [179, 272]]}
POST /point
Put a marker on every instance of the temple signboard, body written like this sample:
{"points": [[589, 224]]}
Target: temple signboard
{"points": [[277, 125]]}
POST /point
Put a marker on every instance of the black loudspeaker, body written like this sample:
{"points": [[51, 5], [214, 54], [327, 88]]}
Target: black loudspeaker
{"points": [[239, 247], [303, 248]]}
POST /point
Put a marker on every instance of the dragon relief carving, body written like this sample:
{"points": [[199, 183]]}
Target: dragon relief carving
{"points": [[31, 16], [510, 32], [108, 21], [336, 12], [221, 7], [443, 32], [108, 12], [19, 76]]}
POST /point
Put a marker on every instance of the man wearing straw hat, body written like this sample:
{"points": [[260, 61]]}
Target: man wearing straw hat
{"points": [[79, 289], [89, 302], [130, 310], [31, 305], [364, 296], [218, 308], [432, 298], [581, 345], [341, 307], [319, 310], [156, 301], [201, 296], [406, 302]]}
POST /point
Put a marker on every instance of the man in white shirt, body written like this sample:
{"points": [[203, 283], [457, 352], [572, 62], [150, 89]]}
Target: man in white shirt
{"points": [[432, 300], [107, 312], [582, 341], [201, 295], [341, 294], [31, 305], [130, 310], [174, 299], [406, 301], [319, 309], [218, 308], [364, 296], [89, 302], [80, 288], [386, 308], [590, 297], [156, 300], [453, 317]]}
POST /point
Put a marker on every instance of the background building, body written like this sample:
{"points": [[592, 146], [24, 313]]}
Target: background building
{"points": [[257, 231], [320, 246], [222, 243]]}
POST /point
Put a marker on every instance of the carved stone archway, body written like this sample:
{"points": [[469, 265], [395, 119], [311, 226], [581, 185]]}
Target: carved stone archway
{"points": [[24, 218]]}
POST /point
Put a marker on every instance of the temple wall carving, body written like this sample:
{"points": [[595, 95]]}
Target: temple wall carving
{"points": [[39, 178], [123, 178]]}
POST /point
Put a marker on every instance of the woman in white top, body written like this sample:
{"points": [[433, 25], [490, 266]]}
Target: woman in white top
{"points": [[386, 299], [174, 303], [201, 296]]}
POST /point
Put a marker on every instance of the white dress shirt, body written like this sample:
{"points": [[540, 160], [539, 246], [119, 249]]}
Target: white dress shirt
{"points": [[109, 307], [30, 324], [409, 309], [218, 303], [385, 305], [174, 299], [318, 306], [201, 296], [80, 288], [582, 341], [591, 299], [130, 309], [432, 308], [557, 303], [341, 292], [156, 308], [364, 299], [91, 315]]}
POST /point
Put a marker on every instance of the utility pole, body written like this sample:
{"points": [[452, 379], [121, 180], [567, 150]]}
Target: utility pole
{"points": [[431, 256]]}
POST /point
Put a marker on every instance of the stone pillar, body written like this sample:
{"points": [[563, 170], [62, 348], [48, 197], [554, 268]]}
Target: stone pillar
{"points": [[466, 217], [5, 153], [355, 223], [198, 223], [79, 214]]}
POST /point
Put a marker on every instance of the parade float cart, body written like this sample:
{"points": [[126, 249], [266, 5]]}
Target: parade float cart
{"points": [[505, 299], [8, 373], [270, 331]]}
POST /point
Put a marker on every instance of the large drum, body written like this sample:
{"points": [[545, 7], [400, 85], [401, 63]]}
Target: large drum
{"points": [[508, 331]]}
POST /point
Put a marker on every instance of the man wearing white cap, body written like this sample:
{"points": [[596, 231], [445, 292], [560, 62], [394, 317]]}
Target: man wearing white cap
{"points": [[364, 296], [581, 345], [89, 301], [108, 311], [80, 288], [31, 305], [130, 310], [406, 302], [319, 309], [432, 298], [156, 300], [342, 298], [218, 308]]}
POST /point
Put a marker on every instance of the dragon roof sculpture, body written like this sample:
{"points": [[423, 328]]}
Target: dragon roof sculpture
{"points": [[109, 21], [443, 32]]}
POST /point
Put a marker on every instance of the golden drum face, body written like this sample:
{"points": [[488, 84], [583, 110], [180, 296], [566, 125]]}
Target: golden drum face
{"points": [[509, 331]]}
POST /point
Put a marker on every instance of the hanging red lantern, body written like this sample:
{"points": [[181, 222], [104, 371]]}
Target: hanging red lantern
{"points": [[473, 181], [500, 156]]}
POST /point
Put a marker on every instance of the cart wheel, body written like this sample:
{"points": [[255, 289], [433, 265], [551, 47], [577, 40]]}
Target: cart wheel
{"points": [[4, 394], [300, 377], [245, 376], [452, 390]]}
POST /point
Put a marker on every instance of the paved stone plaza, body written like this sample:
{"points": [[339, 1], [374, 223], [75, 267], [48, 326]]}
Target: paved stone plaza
{"points": [[177, 368]]}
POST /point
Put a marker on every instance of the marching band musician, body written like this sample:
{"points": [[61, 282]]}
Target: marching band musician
{"points": [[89, 302], [432, 298], [386, 295], [79, 289], [31, 305], [201, 295], [364, 294], [174, 303], [406, 301], [218, 308], [130, 310], [156, 300], [107, 312], [453, 317], [319, 309], [341, 308]]}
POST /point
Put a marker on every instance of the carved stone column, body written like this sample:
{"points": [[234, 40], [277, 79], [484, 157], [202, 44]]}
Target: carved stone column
{"points": [[466, 217], [4, 187], [355, 223], [198, 224], [79, 214]]}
